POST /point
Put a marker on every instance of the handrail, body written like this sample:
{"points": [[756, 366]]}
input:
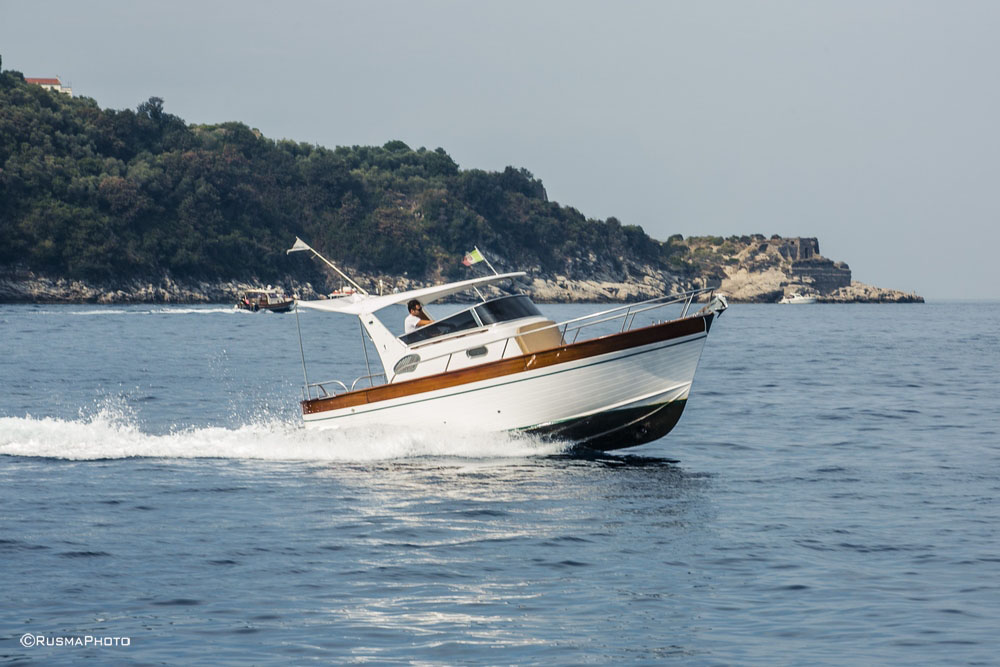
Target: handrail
{"points": [[326, 394], [651, 304], [320, 386], [371, 376], [673, 298]]}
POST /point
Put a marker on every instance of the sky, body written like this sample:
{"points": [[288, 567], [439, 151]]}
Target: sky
{"points": [[869, 124]]}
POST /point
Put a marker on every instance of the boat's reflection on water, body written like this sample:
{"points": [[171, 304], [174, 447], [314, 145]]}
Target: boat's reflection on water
{"points": [[618, 460], [575, 480]]}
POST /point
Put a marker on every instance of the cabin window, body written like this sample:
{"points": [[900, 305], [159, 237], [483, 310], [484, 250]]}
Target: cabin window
{"points": [[506, 309], [474, 352], [407, 364], [457, 322]]}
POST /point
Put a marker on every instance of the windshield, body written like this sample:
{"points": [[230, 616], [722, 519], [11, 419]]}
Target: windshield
{"points": [[507, 308], [498, 310], [457, 322]]}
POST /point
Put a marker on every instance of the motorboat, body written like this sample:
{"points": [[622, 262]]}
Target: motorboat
{"points": [[265, 299], [609, 380], [797, 298]]}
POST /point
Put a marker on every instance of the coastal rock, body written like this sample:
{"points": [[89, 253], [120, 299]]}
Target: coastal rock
{"points": [[741, 285], [860, 293], [761, 270], [29, 287], [564, 290]]}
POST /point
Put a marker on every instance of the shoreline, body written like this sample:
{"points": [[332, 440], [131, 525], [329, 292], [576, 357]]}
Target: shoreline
{"points": [[30, 288]]}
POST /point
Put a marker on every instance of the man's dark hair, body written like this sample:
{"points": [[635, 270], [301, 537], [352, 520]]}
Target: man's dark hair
{"points": [[413, 304]]}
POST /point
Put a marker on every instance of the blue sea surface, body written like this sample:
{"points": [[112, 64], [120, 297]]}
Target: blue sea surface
{"points": [[830, 496]]}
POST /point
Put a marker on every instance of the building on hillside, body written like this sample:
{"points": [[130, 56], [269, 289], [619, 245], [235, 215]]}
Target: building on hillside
{"points": [[51, 84]]}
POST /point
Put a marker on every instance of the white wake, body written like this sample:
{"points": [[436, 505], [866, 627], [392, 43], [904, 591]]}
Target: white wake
{"points": [[110, 434], [152, 310]]}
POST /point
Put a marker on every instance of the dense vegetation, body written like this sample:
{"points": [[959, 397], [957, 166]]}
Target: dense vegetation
{"points": [[97, 193]]}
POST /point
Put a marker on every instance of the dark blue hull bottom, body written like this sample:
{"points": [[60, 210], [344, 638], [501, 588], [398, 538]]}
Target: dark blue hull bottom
{"points": [[617, 429]]}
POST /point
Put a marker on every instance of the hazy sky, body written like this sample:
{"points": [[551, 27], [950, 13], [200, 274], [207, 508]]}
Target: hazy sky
{"points": [[871, 124]]}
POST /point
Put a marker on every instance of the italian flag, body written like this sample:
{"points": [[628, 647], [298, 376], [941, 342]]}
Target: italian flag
{"points": [[472, 257]]}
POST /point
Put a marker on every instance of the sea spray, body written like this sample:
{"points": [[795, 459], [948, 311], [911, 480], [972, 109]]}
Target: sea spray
{"points": [[111, 434]]}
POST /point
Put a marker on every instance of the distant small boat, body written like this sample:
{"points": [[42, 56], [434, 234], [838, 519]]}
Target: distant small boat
{"points": [[797, 298], [265, 299]]}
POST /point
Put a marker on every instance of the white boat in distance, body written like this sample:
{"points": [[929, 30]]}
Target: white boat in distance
{"points": [[797, 298], [500, 365]]}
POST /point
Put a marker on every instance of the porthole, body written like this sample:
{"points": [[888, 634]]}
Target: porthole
{"points": [[474, 352]]}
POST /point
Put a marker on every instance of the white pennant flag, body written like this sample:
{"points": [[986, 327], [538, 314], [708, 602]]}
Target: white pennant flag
{"points": [[299, 245]]}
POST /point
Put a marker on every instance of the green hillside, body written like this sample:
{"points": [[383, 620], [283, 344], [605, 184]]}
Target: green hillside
{"points": [[102, 194]]}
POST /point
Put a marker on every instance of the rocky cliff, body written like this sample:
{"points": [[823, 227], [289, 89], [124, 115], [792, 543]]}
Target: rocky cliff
{"points": [[755, 269]]}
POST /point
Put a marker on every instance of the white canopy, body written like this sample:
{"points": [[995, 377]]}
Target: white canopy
{"points": [[360, 304]]}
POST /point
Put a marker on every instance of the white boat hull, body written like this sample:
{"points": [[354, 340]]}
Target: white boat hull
{"points": [[608, 399], [798, 300]]}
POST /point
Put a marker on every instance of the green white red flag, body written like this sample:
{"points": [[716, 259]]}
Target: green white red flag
{"points": [[473, 257]]}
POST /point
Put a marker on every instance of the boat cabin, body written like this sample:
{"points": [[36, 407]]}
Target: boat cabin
{"points": [[499, 328], [493, 329], [503, 309], [263, 297]]}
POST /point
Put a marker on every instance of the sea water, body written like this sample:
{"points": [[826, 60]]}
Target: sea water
{"points": [[830, 496]]}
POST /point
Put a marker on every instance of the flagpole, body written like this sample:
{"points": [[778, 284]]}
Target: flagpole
{"points": [[477, 256], [328, 262]]}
